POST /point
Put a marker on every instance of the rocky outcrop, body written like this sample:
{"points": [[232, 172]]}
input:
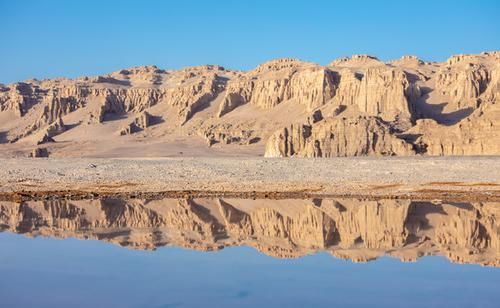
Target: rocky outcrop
{"points": [[189, 93], [382, 92], [190, 97], [337, 136], [359, 230], [39, 152], [406, 107], [492, 92], [356, 61], [408, 61], [475, 135], [143, 121], [233, 99], [19, 98], [55, 128], [281, 80], [229, 134], [267, 85], [387, 93], [312, 87], [463, 86]]}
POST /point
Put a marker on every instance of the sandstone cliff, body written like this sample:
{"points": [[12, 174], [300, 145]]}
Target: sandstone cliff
{"points": [[337, 136], [368, 107]]}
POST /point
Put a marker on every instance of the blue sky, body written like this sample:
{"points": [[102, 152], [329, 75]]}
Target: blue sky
{"points": [[46, 39]]}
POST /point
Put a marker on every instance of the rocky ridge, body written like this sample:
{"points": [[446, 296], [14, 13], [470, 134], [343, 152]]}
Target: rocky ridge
{"points": [[367, 107]]}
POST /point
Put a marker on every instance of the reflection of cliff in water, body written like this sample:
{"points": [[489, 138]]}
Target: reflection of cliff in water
{"points": [[353, 229]]}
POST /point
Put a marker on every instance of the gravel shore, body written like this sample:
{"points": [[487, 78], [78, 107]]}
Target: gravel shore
{"points": [[395, 177]]}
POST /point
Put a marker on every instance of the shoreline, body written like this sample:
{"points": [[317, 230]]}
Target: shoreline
{"points": [[416, 178], [439, 195]]}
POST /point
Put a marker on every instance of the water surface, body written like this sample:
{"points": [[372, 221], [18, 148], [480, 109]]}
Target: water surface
{"points": [[246, 253]]}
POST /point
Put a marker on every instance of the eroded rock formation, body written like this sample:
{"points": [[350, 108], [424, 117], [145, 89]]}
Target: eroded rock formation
{"points": [[337, 136], [403, 107], [39, 152], [140, 123], [229, 134]]}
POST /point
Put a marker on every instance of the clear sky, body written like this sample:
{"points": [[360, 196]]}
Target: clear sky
{"points": [[46, 39]]}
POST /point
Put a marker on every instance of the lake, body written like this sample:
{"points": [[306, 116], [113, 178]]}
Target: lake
{"points": [[246, 253]]}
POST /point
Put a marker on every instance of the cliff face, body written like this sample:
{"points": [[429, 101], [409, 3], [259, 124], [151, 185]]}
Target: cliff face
{"points": [[380, 91], [278, 81], [403, 107], [337, 137], [479, 133], [348, 228]]}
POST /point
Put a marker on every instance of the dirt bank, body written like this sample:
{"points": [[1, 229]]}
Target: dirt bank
{"points": [[459, 178]]}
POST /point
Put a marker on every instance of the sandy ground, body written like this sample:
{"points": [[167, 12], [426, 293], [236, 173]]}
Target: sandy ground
{"points": [[409, 177]]}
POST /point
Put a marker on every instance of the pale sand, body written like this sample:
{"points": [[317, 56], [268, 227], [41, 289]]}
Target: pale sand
{"points": [[409, 177]]}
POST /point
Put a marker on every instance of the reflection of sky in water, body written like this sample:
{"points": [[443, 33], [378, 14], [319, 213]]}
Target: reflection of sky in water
{"points": [[46, 272]]}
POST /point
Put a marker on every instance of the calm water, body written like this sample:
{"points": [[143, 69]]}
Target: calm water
{"points": [[247, 253]]}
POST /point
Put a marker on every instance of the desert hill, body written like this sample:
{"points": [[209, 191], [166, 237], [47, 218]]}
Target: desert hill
{"points": [[285, 107]]}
